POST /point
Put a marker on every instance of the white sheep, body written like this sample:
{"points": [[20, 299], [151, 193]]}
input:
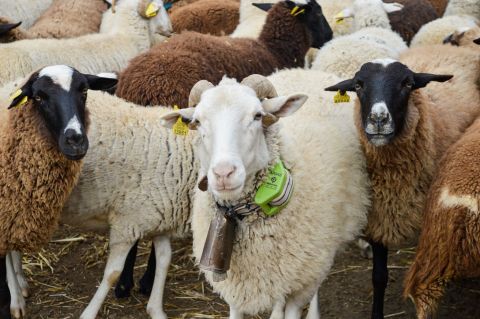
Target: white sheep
{"points": [[373, 39], [459, 14], [436, 31], [26, 11], [122, 36], [279, 262]]}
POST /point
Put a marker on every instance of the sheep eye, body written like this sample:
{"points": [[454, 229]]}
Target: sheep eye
{"points": [[408, 85], [358, 86], [38, 98], [258, 117], [84, 92]]}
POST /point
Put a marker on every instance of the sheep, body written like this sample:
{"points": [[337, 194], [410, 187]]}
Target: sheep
{"points": [[26, 11], [92, 53], [277, 262], [66, 19], [449, 244], [43, 141], [436, 31], [403, 137], [464, 37], [252, 19], [216, 17], [404, 17], [344, 55], [460, 14], [176, 65]]}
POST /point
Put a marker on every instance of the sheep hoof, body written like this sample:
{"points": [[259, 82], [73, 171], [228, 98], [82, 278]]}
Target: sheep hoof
{"points": [[122, 290], [18, 313], [156, 314]]}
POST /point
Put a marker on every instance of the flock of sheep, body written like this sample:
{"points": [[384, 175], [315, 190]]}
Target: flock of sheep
{"points": [[159, 124]]}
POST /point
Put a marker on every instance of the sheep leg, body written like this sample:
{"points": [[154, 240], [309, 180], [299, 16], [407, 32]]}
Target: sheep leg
{"points": [[146, 282], [163, 256], [235, 313], [17, 266], [314, 309], [426, 301], [116, 260], [278, 310], [126, 282], [17, 302], [4, 291], [379, 278]]}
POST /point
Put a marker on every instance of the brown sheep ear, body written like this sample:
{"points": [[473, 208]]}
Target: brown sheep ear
{"points": [[422, 79], [203, 184]]}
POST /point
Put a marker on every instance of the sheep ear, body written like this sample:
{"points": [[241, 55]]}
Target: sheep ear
{"points": [[21, 96], [422, 79], [477, 41], [263, 6], [283, 106], [98, 83], [343, 86], [169, 120], [4, 28], [392, 7]]}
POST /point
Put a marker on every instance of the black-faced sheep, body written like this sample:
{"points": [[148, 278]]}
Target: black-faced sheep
{"points": [[165, 74], [404, 132]]}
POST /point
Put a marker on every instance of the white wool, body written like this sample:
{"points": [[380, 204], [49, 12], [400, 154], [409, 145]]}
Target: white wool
{"points": [[122, 36], [345, 55], [290, 254], [463, 7], [251, 20], [26, 11], [436, 31]]}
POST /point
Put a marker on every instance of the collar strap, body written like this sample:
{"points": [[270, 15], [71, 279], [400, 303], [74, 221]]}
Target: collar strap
{"points": [[239, 211]]}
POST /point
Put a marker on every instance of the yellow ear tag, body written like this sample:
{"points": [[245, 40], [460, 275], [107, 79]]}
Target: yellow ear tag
{"points": [[15, 95], [179, 128], [339, 18], [341, 98], [152, 10], [295, 11]]}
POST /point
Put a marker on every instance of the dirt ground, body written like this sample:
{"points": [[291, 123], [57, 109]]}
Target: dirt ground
{"points": [[64, 276]]}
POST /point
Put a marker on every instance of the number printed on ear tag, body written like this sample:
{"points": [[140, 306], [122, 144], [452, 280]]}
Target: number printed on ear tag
{"points": [[180, 127]]}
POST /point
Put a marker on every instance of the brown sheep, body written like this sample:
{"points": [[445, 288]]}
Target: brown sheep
{"points": [[165, 74], [215, 17], [449, 246], [411, 18], [403, 144], [66, 19]]}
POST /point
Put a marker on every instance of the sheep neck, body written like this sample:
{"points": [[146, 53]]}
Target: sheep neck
{"points": [[285, 37], [36, 180]]}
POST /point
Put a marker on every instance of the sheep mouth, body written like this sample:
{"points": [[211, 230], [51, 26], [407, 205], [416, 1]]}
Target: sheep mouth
{"points": [[74, 153], [380, 139]]}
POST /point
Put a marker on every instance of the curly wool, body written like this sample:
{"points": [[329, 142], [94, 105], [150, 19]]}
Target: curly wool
{"points": [[67, 19], [215, 17], [93, 53], [35, 181], [292, 253], [401, 172], [176, 65], [436, 31], [137, 178], [449, 246]]}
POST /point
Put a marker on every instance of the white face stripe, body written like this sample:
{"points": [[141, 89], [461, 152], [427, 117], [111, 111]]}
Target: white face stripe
{"points": [[380, 108], [73, 124], [60, 75], [108, 75], [385, 62]]}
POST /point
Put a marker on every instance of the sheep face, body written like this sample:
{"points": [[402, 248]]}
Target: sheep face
{"points": [[232, 123], [155, 11], [60, 92], [383, 88]]}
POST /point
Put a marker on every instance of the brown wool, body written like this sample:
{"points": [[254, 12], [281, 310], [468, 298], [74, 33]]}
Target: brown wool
{"points": [[165, 74], [402, 171], [35, 181]]}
